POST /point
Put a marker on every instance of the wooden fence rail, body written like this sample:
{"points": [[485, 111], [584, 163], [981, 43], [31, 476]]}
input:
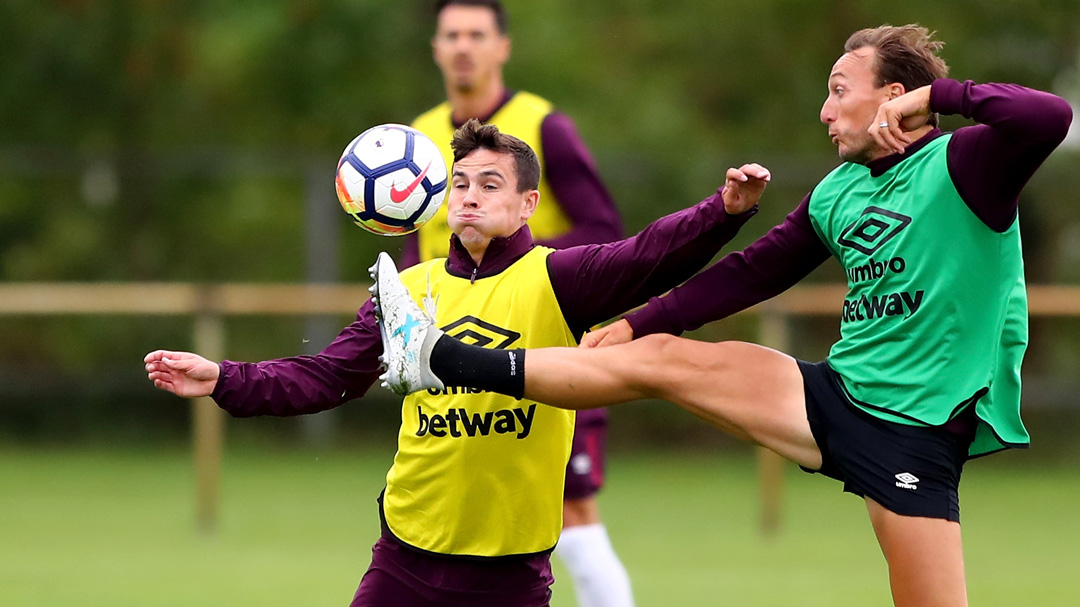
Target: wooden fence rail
{"points": [[209, 304], [178, 299]]}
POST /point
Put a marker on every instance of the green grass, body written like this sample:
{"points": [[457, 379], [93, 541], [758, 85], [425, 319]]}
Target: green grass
{"points": [[116, 528]]}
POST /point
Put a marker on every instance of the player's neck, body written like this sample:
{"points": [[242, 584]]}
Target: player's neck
{"points": [[478, 247], [475, 103], [476, 251]]}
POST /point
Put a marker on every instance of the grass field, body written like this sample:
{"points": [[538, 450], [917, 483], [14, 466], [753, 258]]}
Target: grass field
{"points": [[116, 527]]}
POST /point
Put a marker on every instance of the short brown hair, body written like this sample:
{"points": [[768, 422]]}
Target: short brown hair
{"points": [[904, 54], [474, 135], [501, 22]]}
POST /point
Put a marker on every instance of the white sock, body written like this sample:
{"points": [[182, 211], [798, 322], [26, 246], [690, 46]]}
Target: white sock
{"points": [[600, 580]]}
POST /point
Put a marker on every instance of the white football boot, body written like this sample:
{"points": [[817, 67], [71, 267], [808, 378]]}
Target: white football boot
{"points": [[408, 333]]}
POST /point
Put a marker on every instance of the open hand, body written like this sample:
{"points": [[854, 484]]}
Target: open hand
{"points": [[182, 373]]}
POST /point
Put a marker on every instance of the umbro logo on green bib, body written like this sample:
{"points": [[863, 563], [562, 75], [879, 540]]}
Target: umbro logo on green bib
{"points": [[873, 228]]}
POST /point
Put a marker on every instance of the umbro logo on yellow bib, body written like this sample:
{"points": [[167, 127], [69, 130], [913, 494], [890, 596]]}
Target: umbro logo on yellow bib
{"points": [[476, 332]]}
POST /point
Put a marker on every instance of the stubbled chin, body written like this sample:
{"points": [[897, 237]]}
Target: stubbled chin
{"points": [[856, 155], [470, 234]]}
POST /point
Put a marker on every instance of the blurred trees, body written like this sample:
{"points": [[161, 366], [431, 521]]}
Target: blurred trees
{"points": [[170, 140]]}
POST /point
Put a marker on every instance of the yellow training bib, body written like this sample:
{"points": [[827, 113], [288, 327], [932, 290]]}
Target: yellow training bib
{"points": [[478, 473]]}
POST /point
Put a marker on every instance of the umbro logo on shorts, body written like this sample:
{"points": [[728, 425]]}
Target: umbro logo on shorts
{"points": [[906, 480]]}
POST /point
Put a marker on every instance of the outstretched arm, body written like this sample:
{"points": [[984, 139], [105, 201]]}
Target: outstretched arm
{"points": [[344, 370], [596, 282], [766, 268]]}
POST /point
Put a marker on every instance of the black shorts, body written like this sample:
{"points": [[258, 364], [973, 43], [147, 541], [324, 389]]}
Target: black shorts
{"points": [[910, 470]]}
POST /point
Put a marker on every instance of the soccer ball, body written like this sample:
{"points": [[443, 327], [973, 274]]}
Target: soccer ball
{"points": [[391, 179]]}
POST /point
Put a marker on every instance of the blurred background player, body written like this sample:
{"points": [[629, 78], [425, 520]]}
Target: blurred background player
{"points": [[470, 46]]}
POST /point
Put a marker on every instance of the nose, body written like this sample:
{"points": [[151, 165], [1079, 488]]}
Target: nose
{"points": [[828, 112], [471, 199], [462, 44]]}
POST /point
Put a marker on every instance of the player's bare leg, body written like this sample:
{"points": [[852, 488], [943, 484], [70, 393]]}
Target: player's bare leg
{"points": [[925, 557], [749, 391], [578, 512]]}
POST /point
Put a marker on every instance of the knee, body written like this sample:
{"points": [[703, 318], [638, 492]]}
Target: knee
{"points": [[661, 353], [662, 360], [659, 343], [678, 359], [664, 348]]}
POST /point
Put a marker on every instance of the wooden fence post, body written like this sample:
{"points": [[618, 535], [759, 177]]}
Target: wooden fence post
{"points": [[209, 427], [774, 331]]}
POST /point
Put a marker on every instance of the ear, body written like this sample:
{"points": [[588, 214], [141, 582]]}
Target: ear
{"points": [[504, 48], [528, 206], [896, 89]]}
